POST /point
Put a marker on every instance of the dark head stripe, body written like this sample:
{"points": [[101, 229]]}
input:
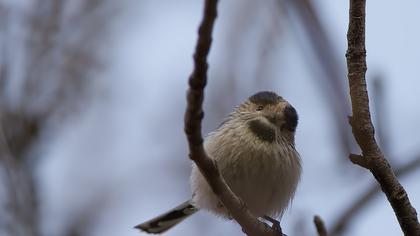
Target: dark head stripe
{"points": [[265, 98]]}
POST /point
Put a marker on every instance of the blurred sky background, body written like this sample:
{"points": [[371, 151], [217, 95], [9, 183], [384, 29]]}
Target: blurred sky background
{"points": [[106, 93]]}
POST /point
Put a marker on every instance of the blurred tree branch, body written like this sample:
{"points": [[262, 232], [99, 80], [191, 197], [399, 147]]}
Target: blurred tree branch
{"points": [[48, 51], [362, 126], [382, 124], [327, 57], [345, 218], [320, 226], [193, 117]]}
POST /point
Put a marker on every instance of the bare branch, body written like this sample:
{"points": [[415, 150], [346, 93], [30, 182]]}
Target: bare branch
{"points": [[193, 116], [362, 126], [359, 160], [320, 226]]}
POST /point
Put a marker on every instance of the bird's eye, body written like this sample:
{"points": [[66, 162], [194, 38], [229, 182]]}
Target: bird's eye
{"points": [[260, 107]]}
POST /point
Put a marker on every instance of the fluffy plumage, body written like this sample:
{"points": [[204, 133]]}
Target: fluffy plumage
{"points": [[255, 151]]}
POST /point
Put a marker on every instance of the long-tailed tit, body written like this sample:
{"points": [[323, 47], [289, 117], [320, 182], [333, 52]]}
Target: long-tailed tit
{"points": [[254, 148]]}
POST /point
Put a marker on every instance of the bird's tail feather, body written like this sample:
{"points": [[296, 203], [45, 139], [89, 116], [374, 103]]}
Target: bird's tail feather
{"points": [[169, 219]]}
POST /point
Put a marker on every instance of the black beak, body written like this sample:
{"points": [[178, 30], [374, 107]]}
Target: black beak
{"points": [[290, 118]]}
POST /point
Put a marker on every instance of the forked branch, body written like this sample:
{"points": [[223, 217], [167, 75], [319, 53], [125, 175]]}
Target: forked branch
{"points": [[372, 157]]}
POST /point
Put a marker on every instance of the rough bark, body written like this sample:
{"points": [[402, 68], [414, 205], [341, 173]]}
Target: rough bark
{"points": [[372, 157]]}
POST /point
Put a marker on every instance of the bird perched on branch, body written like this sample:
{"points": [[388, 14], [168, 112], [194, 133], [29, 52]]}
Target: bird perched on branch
{"points": [[254, 148]]}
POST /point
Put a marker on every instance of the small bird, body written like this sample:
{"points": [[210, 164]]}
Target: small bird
{"points": [[254, 148]]}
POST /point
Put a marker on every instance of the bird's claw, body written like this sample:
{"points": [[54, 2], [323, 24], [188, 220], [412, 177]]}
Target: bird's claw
{"points": [[275, 225]]}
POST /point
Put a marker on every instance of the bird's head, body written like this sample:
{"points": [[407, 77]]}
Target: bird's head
{"points": [[268, 116]]}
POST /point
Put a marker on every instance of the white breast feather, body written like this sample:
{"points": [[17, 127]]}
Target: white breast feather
{"points": [[264, 175]]}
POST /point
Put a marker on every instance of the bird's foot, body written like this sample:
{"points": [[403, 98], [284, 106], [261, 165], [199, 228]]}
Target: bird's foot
{"points": [[275, 224]]}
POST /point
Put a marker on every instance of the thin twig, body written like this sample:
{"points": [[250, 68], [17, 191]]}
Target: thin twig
{"points": [[362, 126], [320, 226], [193, 117]]}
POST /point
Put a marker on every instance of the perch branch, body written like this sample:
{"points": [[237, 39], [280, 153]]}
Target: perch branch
{"points": [[193, 117], [362, 126]]}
